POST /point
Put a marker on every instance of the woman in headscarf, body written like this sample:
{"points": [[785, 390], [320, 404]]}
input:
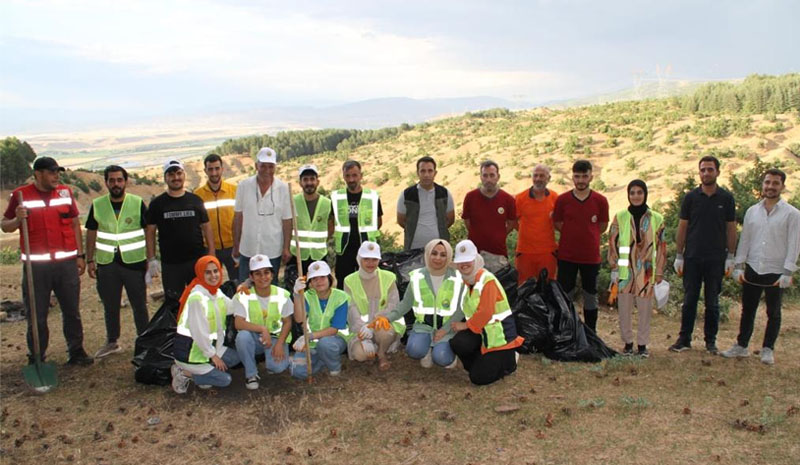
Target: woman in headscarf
{"points": [[200, 355], [486, 342], [433, 294], [373, 294], [636, 254]]}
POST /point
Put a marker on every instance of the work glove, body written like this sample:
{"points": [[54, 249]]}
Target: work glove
{"points": [[678, 265], [299, 285], [154, 267], [738, 275], [614, 277], [729, 264], [365, 333], [381, 323], [300, 344], [785, 281], [369, 348]]}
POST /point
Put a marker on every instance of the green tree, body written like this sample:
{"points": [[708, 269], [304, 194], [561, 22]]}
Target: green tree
{"points": [[15, 161]]}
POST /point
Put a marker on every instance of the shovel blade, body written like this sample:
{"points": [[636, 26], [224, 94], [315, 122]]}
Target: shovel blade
{"points": [[41, 377]]}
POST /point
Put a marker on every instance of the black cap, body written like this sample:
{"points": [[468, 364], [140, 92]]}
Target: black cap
{"points": [[46, 163]]}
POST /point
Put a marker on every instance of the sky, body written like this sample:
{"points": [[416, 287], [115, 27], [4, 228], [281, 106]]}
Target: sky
{"points": [[129, 60]]}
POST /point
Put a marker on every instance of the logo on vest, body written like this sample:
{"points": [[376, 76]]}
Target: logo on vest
{"points": [[128, 220], [501, 210], [594, 218]]}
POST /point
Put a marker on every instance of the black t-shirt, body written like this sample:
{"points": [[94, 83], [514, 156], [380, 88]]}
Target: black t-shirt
{"points": [[353, 240], [707, 235], [91, 225], [178, 219]]}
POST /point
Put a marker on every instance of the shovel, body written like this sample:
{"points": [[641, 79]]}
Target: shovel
{"points": [[40, 376]]}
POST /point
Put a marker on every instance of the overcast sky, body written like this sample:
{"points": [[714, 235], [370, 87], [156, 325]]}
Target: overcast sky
{"points": [[143, 58]]}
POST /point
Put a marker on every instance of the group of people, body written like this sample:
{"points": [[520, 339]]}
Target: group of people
{"points": [[460, 310]]}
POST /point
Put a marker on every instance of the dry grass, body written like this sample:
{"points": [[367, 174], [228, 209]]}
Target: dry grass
{"points": [[672, 408]]}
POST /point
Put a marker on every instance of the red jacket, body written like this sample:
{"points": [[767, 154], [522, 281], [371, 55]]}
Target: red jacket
{"points": [[50, 217]]}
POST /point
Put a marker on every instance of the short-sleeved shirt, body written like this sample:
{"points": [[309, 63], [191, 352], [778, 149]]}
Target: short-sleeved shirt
{"points": [[339, 320], [427, 224], [179, 220], [91, 225], [536, 232], [580, 232], [487, 219], [240, 310], [262, 217], [707, 234]]}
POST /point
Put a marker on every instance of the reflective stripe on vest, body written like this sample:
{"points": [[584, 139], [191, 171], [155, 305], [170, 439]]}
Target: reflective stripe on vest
{"points": [[212, 306], [45, 257], [443, 304], [493, 334], [221, 203], [367, 216], [359, 296], [319, 319], [123, 232], [312, 230], [270, 317], [626, 228]]}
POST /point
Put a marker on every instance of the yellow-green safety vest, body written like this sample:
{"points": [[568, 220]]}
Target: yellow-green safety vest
{"points": [[313, 232], [443, 304], [367, 217], [319, 319], [123, 233], [216, 303], [269, 317], [385, 280], [494, 334], [624, 241]]}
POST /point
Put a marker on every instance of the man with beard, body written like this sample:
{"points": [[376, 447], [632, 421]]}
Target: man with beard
{"points": [[582, 216], [116, 254], [219, 198], [765, 260], [357, 216], [314, 219], [425, 211], [536, 243], [182, 224], [489, 214], [706, 232]]}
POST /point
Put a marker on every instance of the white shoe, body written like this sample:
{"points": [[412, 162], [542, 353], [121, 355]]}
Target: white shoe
{"points": [[767, 356], [394, 347], [180, 382], [736, 351], [108, 349], [452, 365], [204, 387], [427, 360], [516, 357], [251, 383], [335, 373]]}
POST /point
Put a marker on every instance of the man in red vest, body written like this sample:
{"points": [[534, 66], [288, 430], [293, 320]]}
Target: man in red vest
{"points": [[57, 257]]}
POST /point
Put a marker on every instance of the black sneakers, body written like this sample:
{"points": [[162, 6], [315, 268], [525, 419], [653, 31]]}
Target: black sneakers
{"points": [[680, 346], [80, 358], [628, 350], [711, 348], [643, 352]]}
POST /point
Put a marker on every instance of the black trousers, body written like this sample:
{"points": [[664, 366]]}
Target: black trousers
{"points": [[345, 265], [705, 272], [175, 277], [111, 278], [224, 256], [482, 368], [61, 278], [568, 276], [751, 295]]}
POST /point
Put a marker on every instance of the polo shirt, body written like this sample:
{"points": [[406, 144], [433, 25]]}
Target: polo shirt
{"points": [[262, 217], [580, 233], [488, 216], [707, 235], [536, 232], [427, 225]]}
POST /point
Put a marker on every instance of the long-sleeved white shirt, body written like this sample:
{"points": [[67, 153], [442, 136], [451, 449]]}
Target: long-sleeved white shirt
{"points": [[198, 327], [770, 241]]}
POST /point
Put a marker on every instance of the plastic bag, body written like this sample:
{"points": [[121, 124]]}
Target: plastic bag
{"points": [[531, 316], [152, 354], [661, 291], [401, 264], [508, 278]]}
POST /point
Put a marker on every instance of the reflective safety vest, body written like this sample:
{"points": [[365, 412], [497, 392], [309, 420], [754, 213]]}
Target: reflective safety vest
{"points": [[434, 309], [269, 317], [319, 319], [123, 233], [219, 206], [185, 349], [385, 280], [49, 226], [501, 329], [313, 232], [367, 217], [625, 239]]}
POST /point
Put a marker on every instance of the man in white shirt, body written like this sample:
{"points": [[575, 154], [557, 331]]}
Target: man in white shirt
{"points": [[262, 219], [765, 260]]}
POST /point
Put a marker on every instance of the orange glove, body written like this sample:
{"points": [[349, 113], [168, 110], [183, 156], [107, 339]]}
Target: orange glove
{"points": [[612, 294], [381, 323]]}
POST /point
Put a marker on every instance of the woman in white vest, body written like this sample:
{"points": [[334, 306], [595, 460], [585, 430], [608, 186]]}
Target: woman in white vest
{"points": [[636, 254], [326, 310], [200, 355], [263, 315], [433, 294], [373, 294]]}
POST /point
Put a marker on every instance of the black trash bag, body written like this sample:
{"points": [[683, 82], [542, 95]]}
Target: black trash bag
{"points": [[152, 354], [290, 275], [508, 278], [229, 289], [402, 264], [532, 318]]}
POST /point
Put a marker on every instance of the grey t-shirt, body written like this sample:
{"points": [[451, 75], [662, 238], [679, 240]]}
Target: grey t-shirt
{"points": [[427, 228]]}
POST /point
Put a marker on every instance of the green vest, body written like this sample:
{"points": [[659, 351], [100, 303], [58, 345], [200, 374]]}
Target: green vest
{"points": [[443, 304], [367, 217], [124, 233], [270, 317], [385, 279], [624, 241], [319, 319], [411, 202], [195, 354], [494, 333], [313, 232]]}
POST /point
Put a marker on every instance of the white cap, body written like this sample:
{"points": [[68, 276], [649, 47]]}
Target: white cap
{"points": [[318, 268], [308, 167], [369, 249], [465, 252], [172, 163], [267, 155], [259, 261]]}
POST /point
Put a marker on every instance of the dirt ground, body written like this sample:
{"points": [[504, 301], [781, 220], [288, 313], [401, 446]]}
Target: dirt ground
{"points": [[671, 408]]}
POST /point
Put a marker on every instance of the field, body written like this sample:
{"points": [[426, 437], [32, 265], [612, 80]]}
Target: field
{"points": [[671, 408]]}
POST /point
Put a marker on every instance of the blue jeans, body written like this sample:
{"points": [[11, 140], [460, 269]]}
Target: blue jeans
{"points": [[217, 377], [248, 346], [244, 267], [707, 272], [419, 343], [327, 354]]}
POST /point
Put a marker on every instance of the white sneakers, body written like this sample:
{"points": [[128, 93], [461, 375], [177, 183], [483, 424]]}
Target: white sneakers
{"points": [[736, 351], [767, 356], [427, 360], [108, 349], [251, 383]]}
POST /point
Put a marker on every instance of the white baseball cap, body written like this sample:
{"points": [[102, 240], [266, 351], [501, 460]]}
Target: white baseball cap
{"points": [[308, 167], [318, 268], [369, 249], [465, 252], [267, 155], [259, 261], [172, 163]]}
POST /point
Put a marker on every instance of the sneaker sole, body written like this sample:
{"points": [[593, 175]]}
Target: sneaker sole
{"points": [[106, 354], [679, 349]]}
